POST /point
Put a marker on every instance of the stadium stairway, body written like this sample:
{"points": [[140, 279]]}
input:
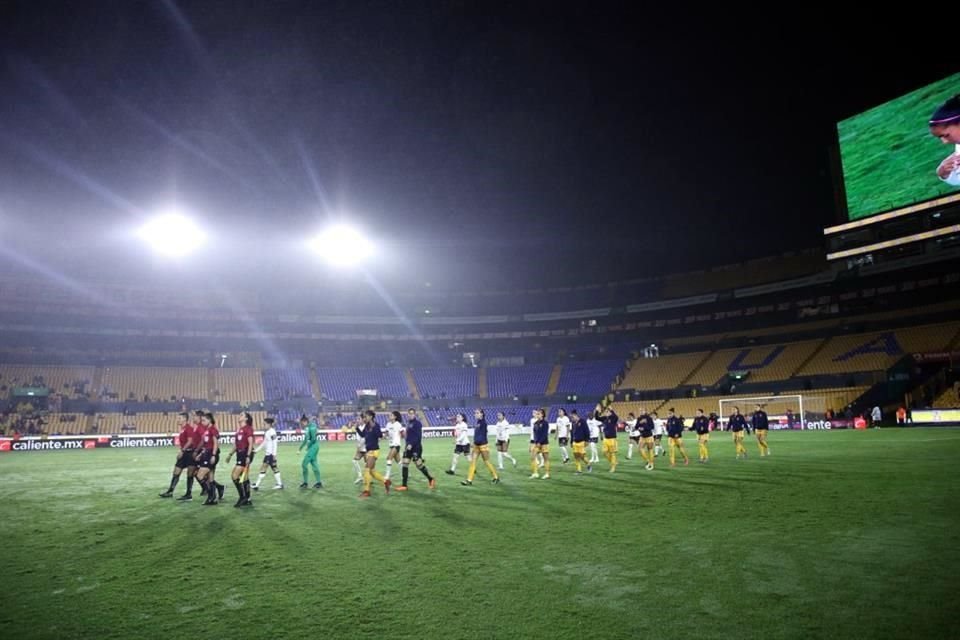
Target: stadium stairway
{"points": [[482, 382], [315, 384], [810, 358], [211, 385], [412, 384], [696, 369], [97, 381], [554, 381]]}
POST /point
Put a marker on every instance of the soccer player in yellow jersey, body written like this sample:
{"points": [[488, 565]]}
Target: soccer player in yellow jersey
{"points": [[646, 427], [481, 449], [610, 422], [540, 444], [760, 424], [701, 425], [737, 425], [371, 435], [675, 437], [581, 435]]}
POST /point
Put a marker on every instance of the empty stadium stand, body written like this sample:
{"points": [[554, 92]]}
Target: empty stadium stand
{"points": [[286, 384], [68, 381], [764, 364], [878, 351], [506, 382], [156, 382], [342, 383], [590, 377], [237, 385], [665, 372], [447, 382]]}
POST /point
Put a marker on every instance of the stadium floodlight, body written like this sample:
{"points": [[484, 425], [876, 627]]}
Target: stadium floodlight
{"points": [[342, 246], [173, 235]]}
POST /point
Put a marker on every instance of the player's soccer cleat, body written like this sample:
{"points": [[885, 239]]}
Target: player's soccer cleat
{"points": [[365, 494], [279, 486], [402, 487], [210, 503], [495, 481], [514, 464], [534, 476], [450, 472], [255, 487], [500, 468], [387, 484], [185, 497], [589, 468], [304, 485], [358, 481], [318, 485], [578, 473], [166, 494], [466, 483], [433, 483], [239, 503], [546, 476]]}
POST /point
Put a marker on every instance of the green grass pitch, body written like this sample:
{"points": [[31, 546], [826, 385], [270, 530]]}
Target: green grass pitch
{"points": [[838, 534], [889, 157]]}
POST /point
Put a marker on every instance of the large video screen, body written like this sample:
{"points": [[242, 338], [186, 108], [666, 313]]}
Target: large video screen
{"points": [[891, 157]]}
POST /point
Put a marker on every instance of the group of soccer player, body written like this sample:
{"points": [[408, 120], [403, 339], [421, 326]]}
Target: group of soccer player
{"points": [[199, 455], [199, 447]]}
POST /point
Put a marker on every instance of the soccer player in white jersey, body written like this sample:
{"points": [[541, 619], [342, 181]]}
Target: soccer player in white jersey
{"points": [[395, 435], [269, 447], [461, 446], [503, 441], [360, 456], [563, 433], [594, 425], [634, 433], [659, 428]]}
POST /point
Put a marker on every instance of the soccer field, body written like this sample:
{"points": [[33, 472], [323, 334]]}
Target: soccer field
{"points": [[839, 534]]}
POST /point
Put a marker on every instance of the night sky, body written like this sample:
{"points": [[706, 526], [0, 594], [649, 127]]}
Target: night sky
{"points": [[482, 144]]}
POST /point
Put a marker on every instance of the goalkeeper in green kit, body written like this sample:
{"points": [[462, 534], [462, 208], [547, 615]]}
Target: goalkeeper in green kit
{"points": [[312, 443]]}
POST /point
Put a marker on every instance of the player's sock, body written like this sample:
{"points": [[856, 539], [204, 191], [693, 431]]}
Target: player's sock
{"points": [[367, 479], [173, 483], [546, 466], [453, 465], [389, 469], [276, 478], [500, 459], [404, 474], [630, 451], [613, 461], [510, 458], [426, 472], [576, 462], [260, 478], [246, 489], [673, 454], [533, 465], [358, 468], [472, 471], [490, 468], [239, 486], [566, 456], [377, 476], [190, 480]]}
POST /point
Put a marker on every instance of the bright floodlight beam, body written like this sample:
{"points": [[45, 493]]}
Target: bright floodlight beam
{"points": [[172, 235], [342, 246]]}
